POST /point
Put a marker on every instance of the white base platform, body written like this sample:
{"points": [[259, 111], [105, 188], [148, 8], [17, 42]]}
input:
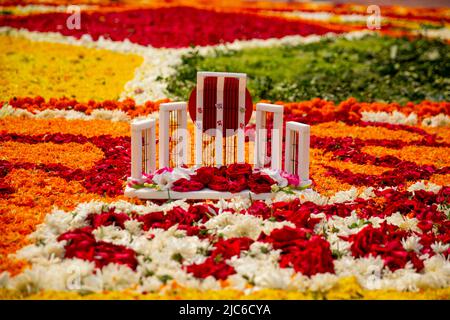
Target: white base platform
{"points": [[149, 193]]}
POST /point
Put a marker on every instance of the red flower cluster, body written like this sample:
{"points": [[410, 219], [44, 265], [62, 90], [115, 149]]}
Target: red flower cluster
{"points": [[81, 244], [5, 189], [184, 219], [107, 219], [292, 211], [172, 27], [234, 178], [384, 241], [128, 105], [215, 264], [305, 253]]}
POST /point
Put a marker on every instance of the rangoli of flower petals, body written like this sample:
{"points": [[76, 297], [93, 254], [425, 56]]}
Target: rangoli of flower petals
{"points": [[375, 223]]}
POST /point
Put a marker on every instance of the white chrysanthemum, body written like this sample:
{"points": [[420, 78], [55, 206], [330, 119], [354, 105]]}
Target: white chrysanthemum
{"points": [[123, 206], [262, 250], [134, 227], [118, 277], [48, 253], [274, 278], [237, 282], [323, 282], [439, 247], [367, 193], [395, 117], [312, 196], [58, 221], [66, 276], [424, 185], [141, 245], [263, 273], [346, 225], [231, 225], [112, 115], [187, 247], [436, 272], [83, 210], [150, 284], [286, 197], [412, 243], [440, 120], [405, 279], [300, 282], [349, 266], [236, 203], [152, 207], [344, 196], [338, 245], [403, 222], [112, 234]]}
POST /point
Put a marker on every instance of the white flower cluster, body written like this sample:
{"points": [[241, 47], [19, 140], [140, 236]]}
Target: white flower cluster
{"points": [[97, 114], [397, 117]]}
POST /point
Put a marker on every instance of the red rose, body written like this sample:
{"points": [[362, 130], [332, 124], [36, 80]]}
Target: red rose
{"points": [[226, 249], [237, 170], [204, 174], [215, 265], [152, 220], [185, 185], [260, 209], [219, 183], [286, 237], [238, 185], [81, 244], [260, 183], [202, 212], [365, 239], [106, 253], [313, 257], [219, 270], [308, 255], [107, 219], [385, 242]]}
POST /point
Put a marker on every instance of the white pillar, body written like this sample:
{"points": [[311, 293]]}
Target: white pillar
{"points": [[199, 121], [241, 121], [136, 154], [261, 132], [138, 128], [303, 132], [164, 132], [219, 121]]}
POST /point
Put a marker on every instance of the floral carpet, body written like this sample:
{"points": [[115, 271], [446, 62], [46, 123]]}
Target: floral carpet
{"points": [[374, 225]]}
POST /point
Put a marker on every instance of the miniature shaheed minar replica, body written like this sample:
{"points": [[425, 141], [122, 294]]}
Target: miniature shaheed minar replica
{"points": [[220, 108]]}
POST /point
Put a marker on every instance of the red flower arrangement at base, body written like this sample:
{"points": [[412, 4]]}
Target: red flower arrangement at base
{"points": [[233, 178]]}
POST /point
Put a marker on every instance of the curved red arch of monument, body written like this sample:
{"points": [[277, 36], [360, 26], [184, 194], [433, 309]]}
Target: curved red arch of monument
{"points": [[230, 104]]}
